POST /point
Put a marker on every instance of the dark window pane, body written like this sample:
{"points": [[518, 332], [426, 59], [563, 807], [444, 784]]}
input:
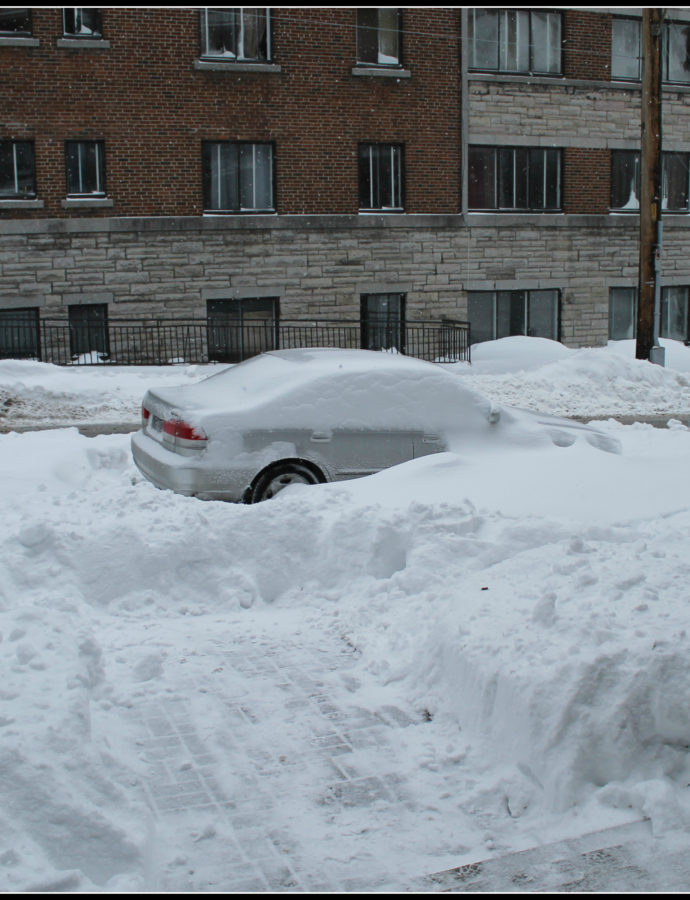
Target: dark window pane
{"points": [[383, 319], [622, 313], [514, 43], [366, 176], [510, 313], [625, 179], [88, 326], [388, 48], [523, 159], [367, 35], [380, 176], [219, 32], [675, 190], [543, 314], [482, 178], [19, 334], [238, 329], [480, 311], [85, 167], [506, 179], [15, 21], [17, 178]]}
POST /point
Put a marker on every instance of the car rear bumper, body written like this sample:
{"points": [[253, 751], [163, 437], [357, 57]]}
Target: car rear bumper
{"points": [[184, 474]]}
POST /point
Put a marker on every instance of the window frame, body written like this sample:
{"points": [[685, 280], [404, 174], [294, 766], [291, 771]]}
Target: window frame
{"points": [[239, 188], [383, 331], [665, 50], [91, 335], [681, 156], [227, 329], [23, 32], [502, 42], [20, 328], [233, 57], [630, 296], [78, 35], [396, 63], [493, 165], [100, 186], [17, 194], [526, 295], [375, 174]]}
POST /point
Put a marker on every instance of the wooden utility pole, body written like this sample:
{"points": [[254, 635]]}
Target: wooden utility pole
{"points": [[650, 183]]}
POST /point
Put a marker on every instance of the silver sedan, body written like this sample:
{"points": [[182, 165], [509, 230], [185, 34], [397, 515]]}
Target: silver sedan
{"points": [[316, 415]]}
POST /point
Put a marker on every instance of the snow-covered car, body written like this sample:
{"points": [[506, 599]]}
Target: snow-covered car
{"points": [[317, 415]]}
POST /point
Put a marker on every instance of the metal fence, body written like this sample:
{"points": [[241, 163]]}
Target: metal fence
{"points": [[167, 341]]}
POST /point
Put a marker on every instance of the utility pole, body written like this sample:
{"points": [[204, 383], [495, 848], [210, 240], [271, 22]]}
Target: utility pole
{"points": [[650, 190]]}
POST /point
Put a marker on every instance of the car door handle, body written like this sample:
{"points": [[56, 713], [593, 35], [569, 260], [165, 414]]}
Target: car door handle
{"points": [[430, 438], [321, 437]]}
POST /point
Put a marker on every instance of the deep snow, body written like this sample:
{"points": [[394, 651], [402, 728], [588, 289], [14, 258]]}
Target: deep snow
{"points": [[525, 610]]}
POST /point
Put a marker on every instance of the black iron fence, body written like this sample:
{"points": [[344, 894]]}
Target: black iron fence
{"points": [[167, 341]]}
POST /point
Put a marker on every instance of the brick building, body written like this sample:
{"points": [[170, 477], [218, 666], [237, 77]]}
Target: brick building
{"points": [[406, 165]]}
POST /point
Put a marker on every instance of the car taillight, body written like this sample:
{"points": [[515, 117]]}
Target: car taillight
{"points": [[145, 416], [181, 434]]}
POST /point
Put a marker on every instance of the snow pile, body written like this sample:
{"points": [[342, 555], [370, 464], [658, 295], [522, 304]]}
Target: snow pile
{"points": [[526, 607]]}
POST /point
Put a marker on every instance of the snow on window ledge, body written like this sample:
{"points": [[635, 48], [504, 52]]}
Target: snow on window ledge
{"points": [[222, 64], [383, 71], [82, 43]]}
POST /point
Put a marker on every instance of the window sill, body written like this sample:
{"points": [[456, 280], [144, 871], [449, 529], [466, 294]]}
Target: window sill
{"points": [[19, 42], [68, 43], [222, 65], [239, 212], [84, 202], [382, 71], [15, 203]]}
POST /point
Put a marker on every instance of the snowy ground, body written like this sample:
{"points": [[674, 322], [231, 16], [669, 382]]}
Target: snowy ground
{"points": [[351, 686]]}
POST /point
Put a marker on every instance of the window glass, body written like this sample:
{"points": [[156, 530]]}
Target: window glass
{"points": [[498, 314], [15, 21], [514, 40], [677, 52], [17, 171], [675, 177], [514, 178], [482, 178], [383, 319], [622, 313], [88, 329], [483, 39], [82, 22], [674, 313], [19, 333], [625, 179], [543, 314], [238, 33], [378, 36], [240, 328], [380, 176], [85, 167], [625, 49], [237, 177]]}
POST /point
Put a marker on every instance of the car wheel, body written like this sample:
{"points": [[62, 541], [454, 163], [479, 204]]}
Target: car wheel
{"points": [[272, 480]]}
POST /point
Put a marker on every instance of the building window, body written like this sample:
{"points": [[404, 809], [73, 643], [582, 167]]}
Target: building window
{"points": [[626, 51], [515, 40], [15, 22], [85, 168], [514, 179], [19, 334], [380, 177], [675, 53], [378, 36], [498, 314], [17, 170], [625, 181], [237, 177], [626, 58], [674, 313], [238, 329], [82, 23], [88, 330], [236, 34], [383, 322]]}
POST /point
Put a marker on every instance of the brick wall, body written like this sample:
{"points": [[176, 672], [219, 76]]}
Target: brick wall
{"points": [[145, 99]]}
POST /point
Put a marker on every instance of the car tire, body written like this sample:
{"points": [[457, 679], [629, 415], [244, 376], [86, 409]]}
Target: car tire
{"points": [[276, 477]]}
